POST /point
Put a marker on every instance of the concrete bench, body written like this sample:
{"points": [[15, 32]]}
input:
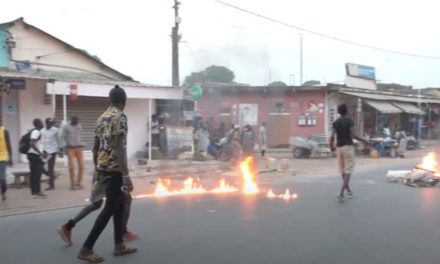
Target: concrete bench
{"points": [[21, 178]]}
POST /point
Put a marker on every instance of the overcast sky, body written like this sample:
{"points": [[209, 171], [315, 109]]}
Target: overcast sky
{"points": [[133, 36]]}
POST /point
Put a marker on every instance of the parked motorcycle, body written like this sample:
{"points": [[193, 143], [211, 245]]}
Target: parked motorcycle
{"points": [[386, 147], [412, 143], [225, 150]]}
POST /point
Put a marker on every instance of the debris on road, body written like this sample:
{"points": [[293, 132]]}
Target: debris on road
{"points": [[413, 178], [426, 174]]}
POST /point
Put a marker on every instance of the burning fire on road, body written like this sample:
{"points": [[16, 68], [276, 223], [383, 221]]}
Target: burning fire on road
{"points": [[430, 164], [193, 186], [286, 196], [426, 174]]}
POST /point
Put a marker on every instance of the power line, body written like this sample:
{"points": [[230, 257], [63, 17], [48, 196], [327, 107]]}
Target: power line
{"points": [[324, 35]]}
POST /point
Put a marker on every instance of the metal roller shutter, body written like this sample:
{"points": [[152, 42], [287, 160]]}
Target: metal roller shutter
{"points": [[88, 109]]}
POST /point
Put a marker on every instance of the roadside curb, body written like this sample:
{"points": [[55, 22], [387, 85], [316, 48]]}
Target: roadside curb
{"points": [[42, 210]]}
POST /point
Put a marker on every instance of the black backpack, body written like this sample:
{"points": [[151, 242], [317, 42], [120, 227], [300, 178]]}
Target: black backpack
{"points": [[25, 142]]}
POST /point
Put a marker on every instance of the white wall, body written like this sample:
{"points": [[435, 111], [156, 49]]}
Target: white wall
{"points": [[137, 115], [333, 100], [31, 104], [102, 90], [360, 83]]}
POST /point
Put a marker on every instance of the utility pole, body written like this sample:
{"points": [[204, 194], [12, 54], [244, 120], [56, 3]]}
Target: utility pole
{"points": [[175, 106], [175, 45], [300, 59]]}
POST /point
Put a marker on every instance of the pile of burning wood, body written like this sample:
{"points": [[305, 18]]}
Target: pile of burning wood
{"points": [[426, 174]]}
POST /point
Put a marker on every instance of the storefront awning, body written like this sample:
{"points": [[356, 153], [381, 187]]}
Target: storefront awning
{"points": [[383, 107], [409, 108], [102, 89], [391, 97]]}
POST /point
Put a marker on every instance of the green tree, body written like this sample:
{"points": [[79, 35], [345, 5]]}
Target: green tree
{"points": [[312, 82], [211, 74], [277, 84], [195, 77]]}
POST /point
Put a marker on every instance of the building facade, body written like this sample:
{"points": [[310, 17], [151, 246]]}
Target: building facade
{"points": [[288, 111], [310, 110], [43, 76]]}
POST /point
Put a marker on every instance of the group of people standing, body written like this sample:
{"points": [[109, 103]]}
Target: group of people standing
{"points": [[43, 144], [211, 141], [46, 142]]}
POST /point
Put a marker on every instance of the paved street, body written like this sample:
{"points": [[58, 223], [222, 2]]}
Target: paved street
{"points": [[383, 223], [232, 157], [144, 177]]}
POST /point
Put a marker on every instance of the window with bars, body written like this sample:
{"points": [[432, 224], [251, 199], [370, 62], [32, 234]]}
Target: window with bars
{"points": [[279, 108]]}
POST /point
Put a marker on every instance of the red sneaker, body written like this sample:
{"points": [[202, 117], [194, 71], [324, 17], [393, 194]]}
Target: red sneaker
{"points": [[129, 236], [65, 234]]}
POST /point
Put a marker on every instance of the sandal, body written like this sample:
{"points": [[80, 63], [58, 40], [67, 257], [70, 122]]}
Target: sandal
{"points": [[90, 257], [124, 250]]}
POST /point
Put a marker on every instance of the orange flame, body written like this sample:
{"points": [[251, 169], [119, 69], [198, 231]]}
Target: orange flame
{"points": [[286, 196], [430, 163], [270, 194], [162, 188], [224, 188], [194, 186], [249, 184], [190, 186]]}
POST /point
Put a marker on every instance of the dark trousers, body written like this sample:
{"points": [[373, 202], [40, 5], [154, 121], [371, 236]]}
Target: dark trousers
{"points": [[155, 140], [51, 169], [114, 207], [126, 212], [95, 206], [3, 184], [36, 169]]}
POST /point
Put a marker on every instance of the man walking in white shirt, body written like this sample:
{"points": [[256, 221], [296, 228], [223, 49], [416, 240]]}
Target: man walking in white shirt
{"points": [[50, 139]]}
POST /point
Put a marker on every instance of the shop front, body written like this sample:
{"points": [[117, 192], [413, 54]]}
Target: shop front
{"points": [[375, 110], [91, 99]]}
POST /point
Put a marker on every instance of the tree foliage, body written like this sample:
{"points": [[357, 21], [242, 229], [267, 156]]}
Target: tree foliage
{"points": [[312, 82], [277, 84], [212, 73]]}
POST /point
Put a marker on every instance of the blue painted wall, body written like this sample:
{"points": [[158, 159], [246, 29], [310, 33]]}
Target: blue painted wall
{"points": [[4, 55]]}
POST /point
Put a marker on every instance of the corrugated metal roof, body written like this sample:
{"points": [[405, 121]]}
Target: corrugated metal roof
{"points": [[69, 76], [384, 107], [409, 108], [381, 96]]}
